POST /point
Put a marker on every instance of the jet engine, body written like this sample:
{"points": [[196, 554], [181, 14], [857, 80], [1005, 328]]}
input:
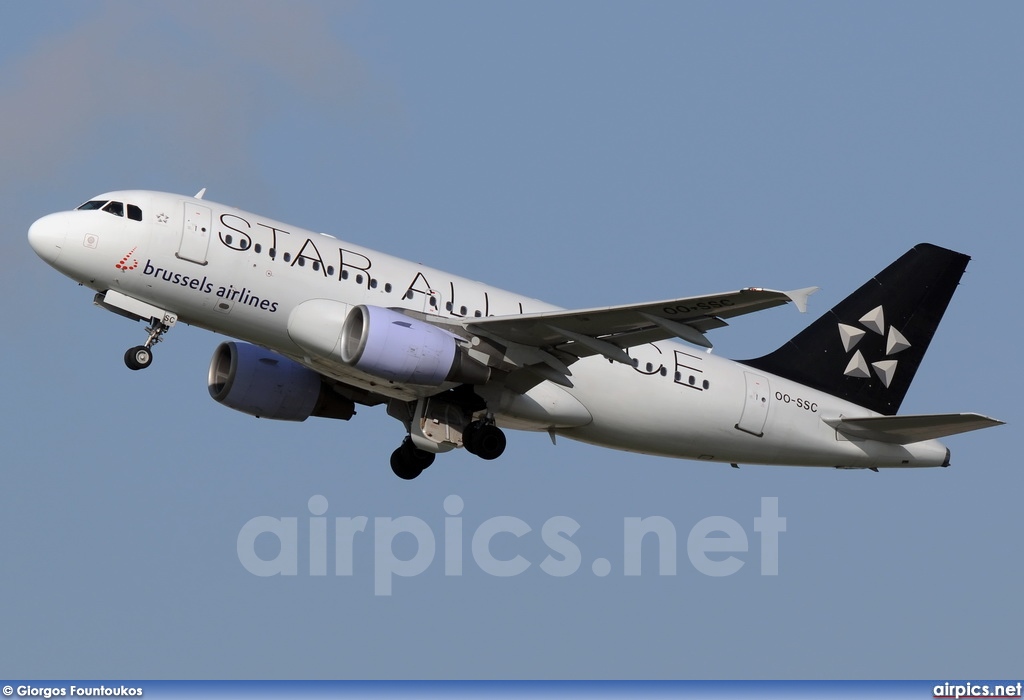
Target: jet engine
{"points": [[264, 384], [391, 345]]}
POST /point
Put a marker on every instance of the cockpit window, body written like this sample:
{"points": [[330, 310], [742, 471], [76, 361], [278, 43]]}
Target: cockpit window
{"points": [[115, 208]]}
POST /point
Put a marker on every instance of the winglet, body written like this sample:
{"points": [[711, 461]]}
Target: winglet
{"points": [[799, 297]]}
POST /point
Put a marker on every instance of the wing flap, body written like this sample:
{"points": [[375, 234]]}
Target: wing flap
{"points": [[903, 430]]}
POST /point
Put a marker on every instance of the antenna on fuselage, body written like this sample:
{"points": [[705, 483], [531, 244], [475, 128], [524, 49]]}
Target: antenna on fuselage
{"points": [[200, 193]]}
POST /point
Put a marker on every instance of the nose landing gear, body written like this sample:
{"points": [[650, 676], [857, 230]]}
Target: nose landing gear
{"points": [[141, 356]]}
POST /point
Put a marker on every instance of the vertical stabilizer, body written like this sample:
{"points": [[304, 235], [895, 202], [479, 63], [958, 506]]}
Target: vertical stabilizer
{"points": [[868, 347]]}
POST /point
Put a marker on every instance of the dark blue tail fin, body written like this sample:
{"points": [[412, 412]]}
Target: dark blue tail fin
{"points": [[868, 347]]}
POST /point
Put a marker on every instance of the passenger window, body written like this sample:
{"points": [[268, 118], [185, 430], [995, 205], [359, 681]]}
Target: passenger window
{"points": [[115, 208], [134, 213]]}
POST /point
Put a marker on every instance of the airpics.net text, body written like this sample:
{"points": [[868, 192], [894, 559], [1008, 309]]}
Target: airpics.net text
{"points": [[712, 544]]}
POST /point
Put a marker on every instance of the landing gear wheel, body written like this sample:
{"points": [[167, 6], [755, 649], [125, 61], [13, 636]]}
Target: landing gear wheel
{"points": [[490, 442], [486, 440], [408, 461], [469, 437], [139, 357], [403, 469]]}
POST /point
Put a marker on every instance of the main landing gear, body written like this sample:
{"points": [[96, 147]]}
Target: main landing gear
{"points": [[141, 356], [443, 423], [485, 440], [409, 461]]}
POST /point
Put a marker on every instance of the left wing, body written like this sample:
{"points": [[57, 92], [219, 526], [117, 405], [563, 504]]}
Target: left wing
{"points": [[634, 324], [545, 343]]}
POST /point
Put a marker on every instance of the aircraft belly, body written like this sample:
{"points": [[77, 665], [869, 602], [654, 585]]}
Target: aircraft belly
{"points": [[543, 407]]}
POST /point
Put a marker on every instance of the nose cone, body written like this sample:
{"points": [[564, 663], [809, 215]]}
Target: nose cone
{"points": [[47, 236]]}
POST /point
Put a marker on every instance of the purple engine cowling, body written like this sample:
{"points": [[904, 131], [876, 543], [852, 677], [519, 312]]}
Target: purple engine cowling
{"points": [[391, 345], [264, 384]]}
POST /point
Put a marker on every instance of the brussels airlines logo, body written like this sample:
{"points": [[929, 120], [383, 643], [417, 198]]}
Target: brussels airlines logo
{"points": [[873, 321], [123, 265], [228, 295]]}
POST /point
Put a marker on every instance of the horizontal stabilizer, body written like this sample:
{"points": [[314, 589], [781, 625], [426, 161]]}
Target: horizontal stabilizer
{"points": [[903, 430]]}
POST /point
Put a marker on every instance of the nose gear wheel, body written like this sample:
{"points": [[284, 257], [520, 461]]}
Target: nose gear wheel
{"points": [[141, 356]]}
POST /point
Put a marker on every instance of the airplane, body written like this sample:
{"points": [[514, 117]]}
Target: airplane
{"points": [[323, 325]]}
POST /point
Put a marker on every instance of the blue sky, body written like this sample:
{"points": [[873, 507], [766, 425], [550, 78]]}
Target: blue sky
{"points": [[585, 153]]}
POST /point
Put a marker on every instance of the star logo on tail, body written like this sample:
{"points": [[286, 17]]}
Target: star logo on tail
{"points": [[873, 322]]}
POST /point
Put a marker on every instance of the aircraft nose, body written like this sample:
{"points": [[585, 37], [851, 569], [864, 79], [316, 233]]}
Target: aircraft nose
{"points": [[47, 236]]}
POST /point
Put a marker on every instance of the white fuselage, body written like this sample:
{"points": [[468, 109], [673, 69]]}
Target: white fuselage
{"points": [[247, 276]]}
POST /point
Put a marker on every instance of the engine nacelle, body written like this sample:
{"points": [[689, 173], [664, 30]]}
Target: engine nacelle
{"points": [[264, 384], [393, 346]]}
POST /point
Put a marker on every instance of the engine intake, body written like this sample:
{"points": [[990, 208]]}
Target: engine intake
{"points": [[264, 384], [393, 346]]}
